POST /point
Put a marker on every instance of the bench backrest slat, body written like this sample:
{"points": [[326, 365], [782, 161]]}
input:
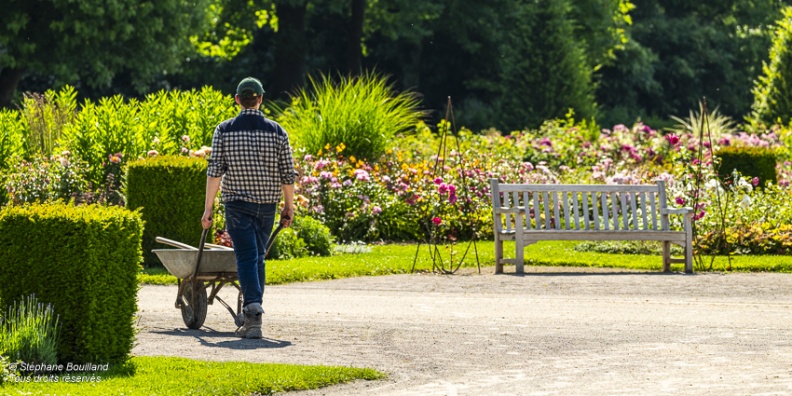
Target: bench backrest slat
{"points": [[643, 211], [662, 198], [526, 204], [595, 210], [556, 207], [614, 205], [586, 221], [565, 198], [537, 213], [576, 209]]}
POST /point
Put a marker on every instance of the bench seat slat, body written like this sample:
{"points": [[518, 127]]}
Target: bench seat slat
{"points": [[574, 235]]}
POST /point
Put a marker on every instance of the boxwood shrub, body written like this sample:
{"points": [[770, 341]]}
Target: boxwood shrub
{"points": [[169, 191], [83, 260], [749, 161]]}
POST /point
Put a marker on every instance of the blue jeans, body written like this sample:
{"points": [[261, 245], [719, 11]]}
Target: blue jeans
{"points": [[249, 225]]}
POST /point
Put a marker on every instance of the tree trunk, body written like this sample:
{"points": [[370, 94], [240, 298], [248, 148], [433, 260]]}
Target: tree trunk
{"points": [[9, 79], [355, 37], [289, 49]]}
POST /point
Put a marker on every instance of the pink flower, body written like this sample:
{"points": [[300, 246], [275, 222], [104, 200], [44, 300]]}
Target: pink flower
{"points": [[308, 157], [452, 199], [185, 138], [680, 201], [151, 153], [376, 210], [755, 181], [672, 139], [451, 189], [184, 150], [443, 188], [438, 180], [437, 221]]}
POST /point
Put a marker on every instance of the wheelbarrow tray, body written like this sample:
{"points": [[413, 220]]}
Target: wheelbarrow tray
{"points": [[181, 262]]}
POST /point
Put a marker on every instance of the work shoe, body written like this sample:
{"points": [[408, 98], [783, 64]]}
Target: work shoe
{"points": [[251, 326]]}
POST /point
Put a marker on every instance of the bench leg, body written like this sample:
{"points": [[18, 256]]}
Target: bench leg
{"points": [[666, 256], [689, 258], [519, 256], [498, 256]]}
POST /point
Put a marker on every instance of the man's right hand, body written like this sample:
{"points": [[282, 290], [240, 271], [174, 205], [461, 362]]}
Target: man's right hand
{"points": [[206, 219], [287, 216]]}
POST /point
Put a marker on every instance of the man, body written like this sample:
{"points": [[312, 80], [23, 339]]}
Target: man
{"points": [[252, 158]]}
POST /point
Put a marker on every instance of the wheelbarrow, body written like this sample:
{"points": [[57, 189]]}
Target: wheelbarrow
{"points": [[202, 272]]}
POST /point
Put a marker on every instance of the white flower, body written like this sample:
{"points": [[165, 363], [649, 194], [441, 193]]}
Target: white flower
{"points": [[746, 201], [711, 184]]}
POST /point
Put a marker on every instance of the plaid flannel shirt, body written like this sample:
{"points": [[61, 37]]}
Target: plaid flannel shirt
{"points": [[253, 156]]}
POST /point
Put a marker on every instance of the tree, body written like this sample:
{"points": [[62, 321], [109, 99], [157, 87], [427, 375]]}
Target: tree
{"points": [[679, 51], [92, 41], [773, 90]]}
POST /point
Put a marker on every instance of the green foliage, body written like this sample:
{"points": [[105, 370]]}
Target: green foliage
{"points": [[160, 123], [92, 41], [772, 94], [83, 260], [306, 236], [748, 161], [169, 191], [30, 332], [713, 124], [679, 52], [149, 375], [288, 245], [544, 72], [316, 235], [12, 137], [364, 113], [45, 117], [43, 181]]}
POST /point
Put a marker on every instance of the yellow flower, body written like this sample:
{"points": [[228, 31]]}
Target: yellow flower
{"points": [[319, 154], [340, 148], [352, 159], [327, 146]]}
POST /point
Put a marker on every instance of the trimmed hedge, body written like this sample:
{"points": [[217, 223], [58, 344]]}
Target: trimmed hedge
{"points": [[170, 191], [749, 161], [84, 261]]}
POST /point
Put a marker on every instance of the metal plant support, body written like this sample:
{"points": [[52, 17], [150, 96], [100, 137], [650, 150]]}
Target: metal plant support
{"points": [[432, 237]]}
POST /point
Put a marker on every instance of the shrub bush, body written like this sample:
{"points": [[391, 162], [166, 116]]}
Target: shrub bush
{"points": [[316, 235], [288, 245], [169, 191], [84, 261], [30, 332], [362, 113], [748, 161]]}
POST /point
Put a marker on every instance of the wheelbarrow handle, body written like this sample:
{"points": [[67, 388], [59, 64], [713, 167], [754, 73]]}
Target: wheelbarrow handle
{"points": [[200, 252], [274, 235]]}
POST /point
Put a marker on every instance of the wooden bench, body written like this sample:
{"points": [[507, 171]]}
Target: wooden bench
{"points": [[528, 213]]}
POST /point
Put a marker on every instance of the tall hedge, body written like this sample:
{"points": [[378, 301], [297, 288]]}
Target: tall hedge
{"points": [[84, 261], [773, 91], [749, 161], [169, 191]]}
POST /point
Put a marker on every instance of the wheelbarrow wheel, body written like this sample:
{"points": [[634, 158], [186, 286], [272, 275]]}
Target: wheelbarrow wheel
{"points": [[194, 315]]}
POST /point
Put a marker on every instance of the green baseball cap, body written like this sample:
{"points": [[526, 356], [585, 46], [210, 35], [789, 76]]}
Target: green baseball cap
{"points": [[250, 87]]}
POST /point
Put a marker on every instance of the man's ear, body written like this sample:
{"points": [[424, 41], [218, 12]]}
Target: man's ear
{"points": [[236, 99]]}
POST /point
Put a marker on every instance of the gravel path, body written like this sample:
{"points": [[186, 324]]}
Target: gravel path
{"points": [[552, 331]]}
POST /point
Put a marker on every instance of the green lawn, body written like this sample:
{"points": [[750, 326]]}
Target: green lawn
{"points": [[398, 259], [180, 376]]}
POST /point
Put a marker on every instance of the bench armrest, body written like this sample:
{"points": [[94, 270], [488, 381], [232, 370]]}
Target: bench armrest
{"points": [[681, 211], [504, 209]]}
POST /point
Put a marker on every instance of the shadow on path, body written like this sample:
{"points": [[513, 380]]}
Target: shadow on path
{"points": [[204, 337]]}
